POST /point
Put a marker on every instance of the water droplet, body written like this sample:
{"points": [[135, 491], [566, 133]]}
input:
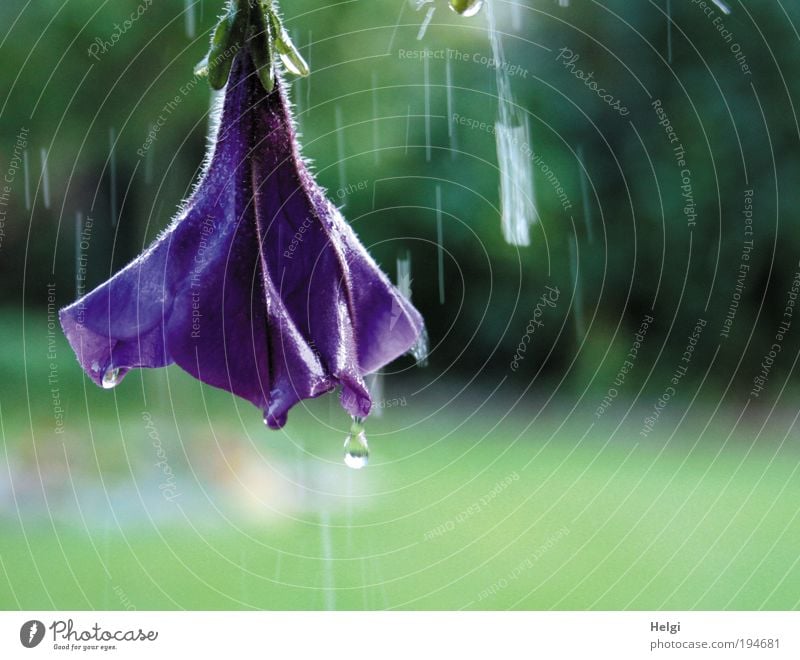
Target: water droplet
{"points": [[466, 7], [275, 421], [420, 349], [111, 378], [356, 450]]}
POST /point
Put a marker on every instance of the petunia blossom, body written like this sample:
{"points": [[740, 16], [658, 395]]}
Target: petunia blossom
{"points": [[259, 286]]}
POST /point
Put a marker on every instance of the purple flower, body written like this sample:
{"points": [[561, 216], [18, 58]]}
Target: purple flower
{"points": [[259, 286]]}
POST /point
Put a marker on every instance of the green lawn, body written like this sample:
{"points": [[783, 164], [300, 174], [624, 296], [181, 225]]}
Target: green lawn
{"points": [[460, 507]]}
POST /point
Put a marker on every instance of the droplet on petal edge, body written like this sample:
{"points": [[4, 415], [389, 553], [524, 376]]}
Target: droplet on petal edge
{"points": [[466, 7], [111, 378], [356, 449], [273, 421], [420, 349]]}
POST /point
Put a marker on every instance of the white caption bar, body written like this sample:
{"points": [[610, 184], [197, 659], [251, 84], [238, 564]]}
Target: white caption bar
{"points": [[401, 635]]}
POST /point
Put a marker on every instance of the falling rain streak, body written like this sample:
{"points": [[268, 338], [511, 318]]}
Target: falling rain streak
{"points": [[375, 133], [329, 596], [427, 82], [365, 599], [722, 6], [340, 155], [408, 127], [516, 16], [587, 207], [420, 349], [375, 386], [669, 31], [425, 23], [451, 133], [308, 78], [440, 243], [243, 576], [27, 170], [45, 178], [517, 208], [577, 298], [148, 158], [112, 173], [191, 25], [404, 275]]}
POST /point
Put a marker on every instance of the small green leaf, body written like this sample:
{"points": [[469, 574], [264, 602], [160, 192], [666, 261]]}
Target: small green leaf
{"points": [[290, 56], [224, 44], [260, 48]]}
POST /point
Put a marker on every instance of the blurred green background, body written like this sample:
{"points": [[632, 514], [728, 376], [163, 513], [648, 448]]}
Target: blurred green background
{"points": [[489, 487]]}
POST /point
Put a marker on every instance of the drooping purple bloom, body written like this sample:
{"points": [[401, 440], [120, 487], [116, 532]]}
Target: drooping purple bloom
{"points": [[258, 287]]}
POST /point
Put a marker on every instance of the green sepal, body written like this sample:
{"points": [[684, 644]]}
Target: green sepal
{"points": [[255, 24], [261, 48], [225, 43], [290, 56]]}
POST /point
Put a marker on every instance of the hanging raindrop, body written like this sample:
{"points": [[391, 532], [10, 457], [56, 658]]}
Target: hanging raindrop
{"points": [[466, 7], [111, 378], [356, 450]]}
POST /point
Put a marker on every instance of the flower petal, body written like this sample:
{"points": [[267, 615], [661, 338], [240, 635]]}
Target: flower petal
{"points": [[259, 287]]}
